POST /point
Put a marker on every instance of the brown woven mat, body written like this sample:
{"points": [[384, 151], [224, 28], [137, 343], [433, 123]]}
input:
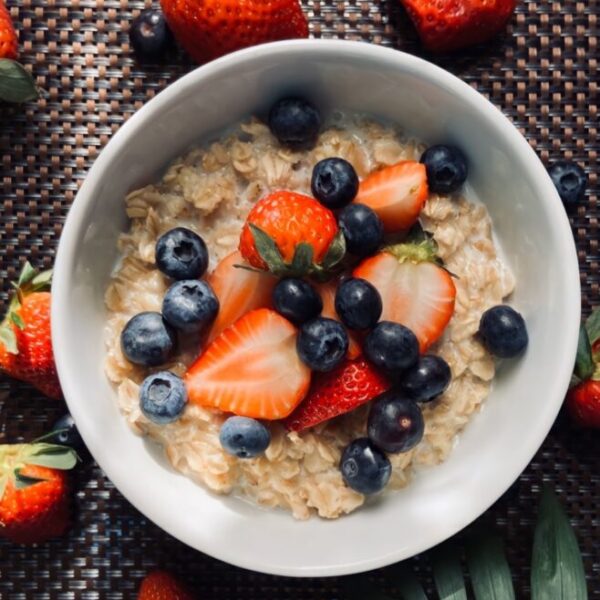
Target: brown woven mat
{"points": [[542, 74]]}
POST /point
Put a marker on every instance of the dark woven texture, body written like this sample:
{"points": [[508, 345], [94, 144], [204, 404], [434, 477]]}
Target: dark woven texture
{"points": [[542, 74]]}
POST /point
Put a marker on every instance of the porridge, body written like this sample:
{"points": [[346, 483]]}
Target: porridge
{"points": [[211, 190]]}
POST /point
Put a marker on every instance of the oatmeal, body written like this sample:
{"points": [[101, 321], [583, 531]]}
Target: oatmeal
{"points": [[211, 190]]}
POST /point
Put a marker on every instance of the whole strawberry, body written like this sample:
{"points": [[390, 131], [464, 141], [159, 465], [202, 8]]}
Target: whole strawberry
{"points": [[445, 25], [208, 29], [290, 234], [160, 585], [8, 35], [34, 499], [25, 341]]}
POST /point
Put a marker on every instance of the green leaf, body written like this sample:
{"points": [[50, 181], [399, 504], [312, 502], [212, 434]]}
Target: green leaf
{"points": [[335, 252], [403, 578], [16, 83], [42, 281], [447, 573], [489, 570], [556, 565], [53, 456], [358, 587], [584, 363], [302, 261], [592, 325], [8, 339], [25, 481], [267, 249], [27, 274], [17, 320]]}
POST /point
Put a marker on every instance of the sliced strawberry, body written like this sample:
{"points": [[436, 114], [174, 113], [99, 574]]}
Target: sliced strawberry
{"points": [[327, 291], [397, 194], [419, 295], [239, 291], [347, 387], [252, 369]]}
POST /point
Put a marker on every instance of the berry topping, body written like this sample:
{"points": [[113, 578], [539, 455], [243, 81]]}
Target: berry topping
{"points": [[148, 340], [392, 346], [190, 305], [295, 122], [66, 433], [163, 397], [362, 229], [364, 467], [244, 437], [569, 179], [322, 343], [181, 254], [395, 422], [150, 36], [297, 300], [334, 182], [446, 168], [358, 304], [427, 379], [503, 331]]}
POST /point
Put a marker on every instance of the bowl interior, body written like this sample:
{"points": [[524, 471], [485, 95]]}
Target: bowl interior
{"points": [[529, 222]]}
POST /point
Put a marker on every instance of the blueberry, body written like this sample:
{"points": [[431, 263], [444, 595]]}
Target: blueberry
{"points": [[503, 331], [150, 36], [181, 254], [395, 422], [358, 303], [364, 467], [67, 433], [295, 122], [190, 305], [163, 397], [392, 346], [244, 437], [426, 380], [148, 339], [446, 168], [334, 182], [362, 229], [570, 181], [322, 344], [297, 300]]}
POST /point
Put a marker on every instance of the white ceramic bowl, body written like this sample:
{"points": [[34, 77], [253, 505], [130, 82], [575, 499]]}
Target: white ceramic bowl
{"points": [[529, 222]]}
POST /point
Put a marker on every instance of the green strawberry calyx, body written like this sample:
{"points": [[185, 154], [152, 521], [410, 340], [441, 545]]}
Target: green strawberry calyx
{"points": [[29, 281], [15, 457], [587, 361], [302, 264]]}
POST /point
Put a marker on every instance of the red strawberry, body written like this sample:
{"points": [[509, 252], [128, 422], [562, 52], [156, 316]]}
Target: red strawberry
{"points": [[160, 585], [211, 28], [347, 387], [291, 234], [583, 403], [327, 292], [25, 341], [451, 24], [397, 194], [239, 291], [34, 499], [415, 291], [252, 369], [8, 35]]}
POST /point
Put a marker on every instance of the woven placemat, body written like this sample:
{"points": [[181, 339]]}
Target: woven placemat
{"points": [[542, 74]]}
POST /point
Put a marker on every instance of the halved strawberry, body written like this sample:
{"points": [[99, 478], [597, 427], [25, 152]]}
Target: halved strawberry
{"points": [[327, 292], [252, 369], [347, 387], [239, 291], [396, 193], [415, 291]]}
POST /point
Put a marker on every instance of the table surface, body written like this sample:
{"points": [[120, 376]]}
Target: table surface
{"points": [[542, 74]]}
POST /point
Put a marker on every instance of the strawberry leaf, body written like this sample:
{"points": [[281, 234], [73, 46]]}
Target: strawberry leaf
{"points": [[42, 280], [335, 252], [26, 275], [17, 320], [489, 570], [25, 481], [592, 326], [16, 83], [53, 456], [556, 565], [8, 338], [447, 573], [584, 363], [406, 581], [267, 249], [302, 261]]}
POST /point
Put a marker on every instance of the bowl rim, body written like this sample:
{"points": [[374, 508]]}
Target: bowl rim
{"points": [[66, 255]]}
